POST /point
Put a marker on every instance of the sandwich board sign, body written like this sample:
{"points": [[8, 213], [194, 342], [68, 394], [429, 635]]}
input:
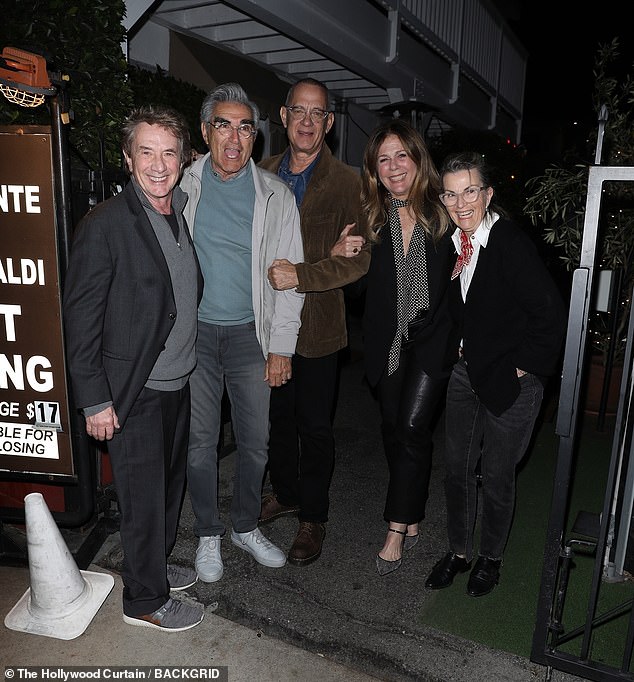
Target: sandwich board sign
{"points": [[35, 429]]}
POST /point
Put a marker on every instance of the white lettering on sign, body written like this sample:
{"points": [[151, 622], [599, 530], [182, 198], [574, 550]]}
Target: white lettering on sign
{"points": [[9, 311], [28, 441], [20, 198], [9, 409], [24, 271], [15, 371]]}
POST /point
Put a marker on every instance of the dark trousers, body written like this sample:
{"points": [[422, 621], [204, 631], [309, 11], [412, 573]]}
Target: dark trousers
{"points": [[409, 401], [301, 440], [149, 459], [475, 434]]}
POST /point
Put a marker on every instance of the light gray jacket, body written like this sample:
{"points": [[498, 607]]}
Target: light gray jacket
{"points": [[275, 234]]}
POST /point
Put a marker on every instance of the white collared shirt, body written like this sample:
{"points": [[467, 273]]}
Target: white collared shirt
{"points": [[479, 238]]}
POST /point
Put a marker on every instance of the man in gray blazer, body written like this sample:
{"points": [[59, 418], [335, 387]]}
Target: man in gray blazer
{"points": [[130, 299]]}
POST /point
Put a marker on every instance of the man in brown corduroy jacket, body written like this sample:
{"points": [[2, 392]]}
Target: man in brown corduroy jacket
{"points": [[327, 191]]}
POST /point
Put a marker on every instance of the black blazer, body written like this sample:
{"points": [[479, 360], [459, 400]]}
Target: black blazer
{"points": [[513, 317], [436, 341], [118, 303]]}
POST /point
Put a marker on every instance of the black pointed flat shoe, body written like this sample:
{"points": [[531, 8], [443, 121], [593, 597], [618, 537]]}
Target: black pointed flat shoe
{"points": [[410, 541], [384, 567]]}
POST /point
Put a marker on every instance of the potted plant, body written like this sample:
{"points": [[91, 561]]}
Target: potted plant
{"points": [[556, 202]]}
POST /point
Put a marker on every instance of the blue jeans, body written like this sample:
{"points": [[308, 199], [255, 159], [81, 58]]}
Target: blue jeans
{"points": [[474, 434], [232, 355]]}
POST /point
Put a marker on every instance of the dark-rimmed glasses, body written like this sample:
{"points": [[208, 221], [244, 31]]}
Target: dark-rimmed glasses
{"points": [[224, 128]]}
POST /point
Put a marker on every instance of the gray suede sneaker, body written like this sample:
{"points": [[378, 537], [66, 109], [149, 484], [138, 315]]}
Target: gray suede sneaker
{"points": [[173, 616], [180, 577]]}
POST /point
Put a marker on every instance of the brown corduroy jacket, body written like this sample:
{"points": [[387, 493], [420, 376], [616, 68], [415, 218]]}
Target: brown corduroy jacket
{"points": [[332, 200]]}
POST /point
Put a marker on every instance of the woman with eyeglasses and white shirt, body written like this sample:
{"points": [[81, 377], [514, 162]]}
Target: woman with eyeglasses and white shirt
{"points": [[511, 321]]}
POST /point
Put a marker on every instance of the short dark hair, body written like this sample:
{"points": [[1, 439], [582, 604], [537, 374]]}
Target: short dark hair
{"points": [[157, 115], [471, 161], [307, 81], [467, 161]]}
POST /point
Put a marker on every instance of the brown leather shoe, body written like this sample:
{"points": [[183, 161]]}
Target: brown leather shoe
{"points": [[306, 547], [271, 509]]}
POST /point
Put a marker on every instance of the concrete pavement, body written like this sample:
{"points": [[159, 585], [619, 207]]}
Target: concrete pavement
{"points": [[250, 655], [335, 619]]}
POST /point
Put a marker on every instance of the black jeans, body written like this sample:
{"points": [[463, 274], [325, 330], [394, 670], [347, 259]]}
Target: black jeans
{"points": [[473, 434], [409, 400], [301, 440]]}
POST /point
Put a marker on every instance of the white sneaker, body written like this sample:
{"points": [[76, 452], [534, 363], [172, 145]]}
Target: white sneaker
{"points": [[260, 548], [208, 560]]}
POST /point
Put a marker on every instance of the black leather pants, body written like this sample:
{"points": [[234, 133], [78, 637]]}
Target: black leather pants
{"points": [[410, 401]]}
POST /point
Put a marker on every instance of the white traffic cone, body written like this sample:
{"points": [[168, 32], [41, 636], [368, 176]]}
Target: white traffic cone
{"points": [[62, 600]]}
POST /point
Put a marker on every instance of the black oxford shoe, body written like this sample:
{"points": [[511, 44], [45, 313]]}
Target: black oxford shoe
{"points": [[445, 571], [484, 577]]}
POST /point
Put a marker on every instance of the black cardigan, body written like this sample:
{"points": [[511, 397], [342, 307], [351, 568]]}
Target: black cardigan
{"points": [[513, 317]]}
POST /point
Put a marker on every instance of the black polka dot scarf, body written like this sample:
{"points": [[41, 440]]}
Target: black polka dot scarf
{"points": [[411, 279]]}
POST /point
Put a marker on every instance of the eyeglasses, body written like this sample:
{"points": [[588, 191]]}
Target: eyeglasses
{"points": [[469, 196], [224, 128], [300, 113]]}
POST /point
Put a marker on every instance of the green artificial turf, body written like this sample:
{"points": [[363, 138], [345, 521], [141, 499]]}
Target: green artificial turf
{"points": [[505, 619]]}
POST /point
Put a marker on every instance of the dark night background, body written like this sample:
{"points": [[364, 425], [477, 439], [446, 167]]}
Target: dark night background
{"points": [[562, 39]]}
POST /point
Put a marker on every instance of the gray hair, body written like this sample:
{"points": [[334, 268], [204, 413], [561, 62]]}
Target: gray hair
{"points": [[228, 92], [156, 114]]}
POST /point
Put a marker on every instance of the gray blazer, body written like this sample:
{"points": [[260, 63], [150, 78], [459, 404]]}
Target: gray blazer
{"points": [[118, 304]]}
